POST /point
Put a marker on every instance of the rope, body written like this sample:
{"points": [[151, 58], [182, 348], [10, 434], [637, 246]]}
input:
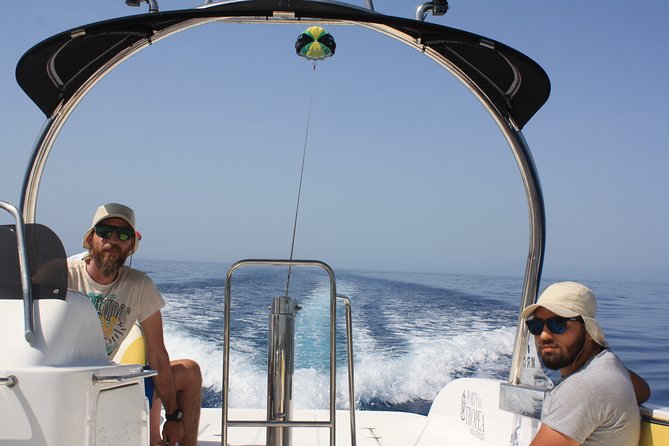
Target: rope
{"points": [[299, 189]]}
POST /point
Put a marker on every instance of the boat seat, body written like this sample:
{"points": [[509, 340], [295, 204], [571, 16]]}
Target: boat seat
{"points": [[46, 258], [67, 327]]}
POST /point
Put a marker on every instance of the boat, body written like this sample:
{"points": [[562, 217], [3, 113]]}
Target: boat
{"points": [[57, 386]]}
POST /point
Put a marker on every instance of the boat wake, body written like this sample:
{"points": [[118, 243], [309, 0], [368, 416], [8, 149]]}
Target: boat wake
{"points": [[400, 363]]}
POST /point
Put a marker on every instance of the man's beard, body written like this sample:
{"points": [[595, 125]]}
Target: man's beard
{"points": [[557, 361], [109, 260]]}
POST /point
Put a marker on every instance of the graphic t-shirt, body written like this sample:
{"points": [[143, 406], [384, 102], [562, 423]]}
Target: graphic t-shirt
{"points": [[131, 297]]}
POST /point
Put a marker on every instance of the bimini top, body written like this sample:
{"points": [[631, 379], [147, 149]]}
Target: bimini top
{"points": [[53, 71]]}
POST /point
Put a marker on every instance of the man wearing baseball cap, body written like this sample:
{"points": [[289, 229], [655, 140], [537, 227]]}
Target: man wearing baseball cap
{"points": [[594, 402], [124, 295]]}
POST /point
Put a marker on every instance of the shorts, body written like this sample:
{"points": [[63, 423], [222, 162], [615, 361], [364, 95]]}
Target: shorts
{"points": [[148, 390]]}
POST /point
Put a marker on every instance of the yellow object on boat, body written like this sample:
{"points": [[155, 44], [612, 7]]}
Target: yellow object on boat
{"points": [[655, 427], [133, 349]]}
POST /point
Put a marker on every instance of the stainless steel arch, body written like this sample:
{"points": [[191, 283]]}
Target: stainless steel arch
{"points": [[507, 126]]}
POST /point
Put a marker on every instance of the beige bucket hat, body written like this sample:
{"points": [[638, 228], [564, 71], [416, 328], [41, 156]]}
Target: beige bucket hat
{"points": [[570, 299], [114, 210]]}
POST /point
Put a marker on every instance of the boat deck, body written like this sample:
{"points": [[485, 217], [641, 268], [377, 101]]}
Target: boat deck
{"points": [[373, 428]]}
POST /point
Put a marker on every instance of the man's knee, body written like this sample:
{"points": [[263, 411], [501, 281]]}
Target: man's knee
{"points": [[186, 372]]}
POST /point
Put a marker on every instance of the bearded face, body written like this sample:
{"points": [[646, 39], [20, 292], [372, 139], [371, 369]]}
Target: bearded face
{"points": [[109, 254], [560, 350], [556, 356], [109, 257]]}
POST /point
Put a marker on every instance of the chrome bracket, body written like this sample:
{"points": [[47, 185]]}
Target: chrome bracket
{"points": [[153, 4], [436, 7]]}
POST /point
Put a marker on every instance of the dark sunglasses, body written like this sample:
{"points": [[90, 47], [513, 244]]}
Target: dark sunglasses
{"points": [[123, 233], [556, 325]]}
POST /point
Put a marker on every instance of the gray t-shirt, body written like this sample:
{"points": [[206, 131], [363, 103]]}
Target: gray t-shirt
{"points": [[596, 405]]}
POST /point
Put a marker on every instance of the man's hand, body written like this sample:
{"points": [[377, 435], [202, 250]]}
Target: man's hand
{"points": [[172, 433]]}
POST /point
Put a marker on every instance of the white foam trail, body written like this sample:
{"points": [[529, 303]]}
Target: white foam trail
{"points": [[430, 365], [205, 352], [248, 384], [419, 374], [430, 350]]}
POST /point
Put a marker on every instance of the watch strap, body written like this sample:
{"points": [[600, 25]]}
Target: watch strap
{"points": [[177, 415]]}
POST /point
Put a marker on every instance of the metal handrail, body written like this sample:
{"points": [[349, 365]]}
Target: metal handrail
{"points": [[291, 423], [331, 423], [146, 373], [9, 381], [349, 353], [24, 266]]}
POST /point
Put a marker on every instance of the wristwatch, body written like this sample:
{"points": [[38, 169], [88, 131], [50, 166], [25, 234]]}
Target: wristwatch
{"points": [[177, 415]]}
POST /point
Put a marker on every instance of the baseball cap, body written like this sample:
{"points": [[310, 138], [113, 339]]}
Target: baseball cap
{"points": [[114, 210]]}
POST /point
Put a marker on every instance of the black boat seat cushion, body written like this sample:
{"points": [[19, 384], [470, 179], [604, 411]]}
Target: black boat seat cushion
{"points": [[46, 257]]}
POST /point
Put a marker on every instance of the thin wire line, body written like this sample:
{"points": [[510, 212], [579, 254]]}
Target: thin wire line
{"points": [[299, 189]]}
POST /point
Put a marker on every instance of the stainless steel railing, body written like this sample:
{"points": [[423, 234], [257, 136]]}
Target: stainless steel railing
{"points": [[279, 420], [9, 381], [24, 266]]}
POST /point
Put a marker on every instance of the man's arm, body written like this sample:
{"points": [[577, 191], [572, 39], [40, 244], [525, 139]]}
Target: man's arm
{"points": [[641, 387], [550, 437], [159, 360]]}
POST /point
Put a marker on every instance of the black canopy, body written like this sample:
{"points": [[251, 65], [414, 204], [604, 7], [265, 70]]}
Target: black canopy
{"points": [[53, 70]]}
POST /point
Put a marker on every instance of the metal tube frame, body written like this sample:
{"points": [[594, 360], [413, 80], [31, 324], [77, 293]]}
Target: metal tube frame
{"points": [[349, 355], [331, 424], [135, 376], [509, 129], [24, 266], [9, 381]]}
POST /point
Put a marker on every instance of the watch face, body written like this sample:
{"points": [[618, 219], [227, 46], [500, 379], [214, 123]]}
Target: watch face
{"points": [[177, 415]]}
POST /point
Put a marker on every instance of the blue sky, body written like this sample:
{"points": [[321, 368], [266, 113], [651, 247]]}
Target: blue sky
{"points": [[202, 134]]}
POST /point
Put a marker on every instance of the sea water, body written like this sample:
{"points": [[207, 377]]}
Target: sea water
{"points": [[412, 332]]}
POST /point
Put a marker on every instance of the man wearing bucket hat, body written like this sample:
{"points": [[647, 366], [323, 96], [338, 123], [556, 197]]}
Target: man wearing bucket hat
{"points": [[124, 295], [594, 402]]}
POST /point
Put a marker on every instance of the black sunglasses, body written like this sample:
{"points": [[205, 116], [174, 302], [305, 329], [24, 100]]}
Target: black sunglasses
{"points": [[123, 233], [556, 325]]}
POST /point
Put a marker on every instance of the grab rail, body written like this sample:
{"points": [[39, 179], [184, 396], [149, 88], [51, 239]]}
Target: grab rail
{"points": [[147, 373], [28, 320], [349, 353], [331, 423], [10, 381]]}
